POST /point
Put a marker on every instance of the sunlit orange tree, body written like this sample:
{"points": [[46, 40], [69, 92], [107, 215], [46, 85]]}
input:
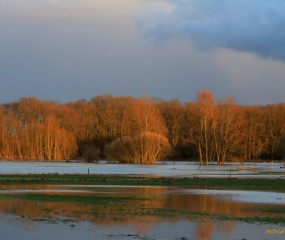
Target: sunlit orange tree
{"points": [[215, 128], [144, 137]]}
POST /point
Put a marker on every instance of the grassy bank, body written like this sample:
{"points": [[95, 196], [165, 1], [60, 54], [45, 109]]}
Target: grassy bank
{"points": [[131, 180]]}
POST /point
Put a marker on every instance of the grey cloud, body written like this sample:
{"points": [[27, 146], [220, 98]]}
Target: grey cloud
{"points": [[255, 26]]}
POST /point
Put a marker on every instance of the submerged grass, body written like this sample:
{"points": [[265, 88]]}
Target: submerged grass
{"points": [[131, 180], [77, 199], [279, 210], [118, 207], [191, 214]]}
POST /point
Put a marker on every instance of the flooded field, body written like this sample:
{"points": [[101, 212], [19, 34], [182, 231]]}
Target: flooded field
{"points": [[170, 168], [53, 205], [118, 212]]}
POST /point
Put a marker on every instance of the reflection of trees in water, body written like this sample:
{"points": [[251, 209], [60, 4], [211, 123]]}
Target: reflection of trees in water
{"points": [[205, 228], [135, 213], [204, 203]]}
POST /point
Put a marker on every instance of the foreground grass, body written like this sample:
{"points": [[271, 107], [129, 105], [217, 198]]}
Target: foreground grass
{"points": [[130, 180]]}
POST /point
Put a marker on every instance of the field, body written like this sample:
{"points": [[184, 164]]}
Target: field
{"points": [[137, 206]]}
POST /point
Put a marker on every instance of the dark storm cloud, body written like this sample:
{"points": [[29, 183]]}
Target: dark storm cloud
{"points": [[255, 26], [69, 49]]}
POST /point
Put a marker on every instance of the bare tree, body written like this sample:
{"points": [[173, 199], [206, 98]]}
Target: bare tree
{"points": [[129, 149], [227, 129], [204, 136], [173, 114], [146, 139]]}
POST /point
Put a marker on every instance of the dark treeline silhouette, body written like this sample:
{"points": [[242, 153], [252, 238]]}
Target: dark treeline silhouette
{"points": [[142, 130]]}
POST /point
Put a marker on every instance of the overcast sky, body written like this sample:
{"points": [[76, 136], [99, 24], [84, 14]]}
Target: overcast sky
{"points": [[65, 50]]}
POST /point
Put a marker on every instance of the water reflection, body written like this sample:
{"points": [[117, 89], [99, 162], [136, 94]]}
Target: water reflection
{"points": [[39, 211], [142, 215]]}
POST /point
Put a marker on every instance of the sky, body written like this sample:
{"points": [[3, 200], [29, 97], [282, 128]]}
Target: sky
{"points": [[68, 50]]}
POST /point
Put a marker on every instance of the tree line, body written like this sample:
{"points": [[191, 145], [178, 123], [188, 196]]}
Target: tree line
{"points": [[142, 130]]}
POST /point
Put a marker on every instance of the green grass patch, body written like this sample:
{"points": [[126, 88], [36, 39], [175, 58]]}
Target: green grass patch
{"points": [[70, 179], [77, 199], [280, 210]]}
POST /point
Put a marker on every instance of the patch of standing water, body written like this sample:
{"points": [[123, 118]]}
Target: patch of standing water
{"points": [[14, 227], [243, 196], [170, 168], [33, 220]]}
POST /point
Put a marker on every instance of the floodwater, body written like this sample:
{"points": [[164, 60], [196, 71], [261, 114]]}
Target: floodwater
{"points": [[147, 212], [177, 169], [142, 216]]}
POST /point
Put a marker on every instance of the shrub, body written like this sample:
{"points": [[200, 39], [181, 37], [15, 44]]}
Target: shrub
{"points": [[145, 148]]}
